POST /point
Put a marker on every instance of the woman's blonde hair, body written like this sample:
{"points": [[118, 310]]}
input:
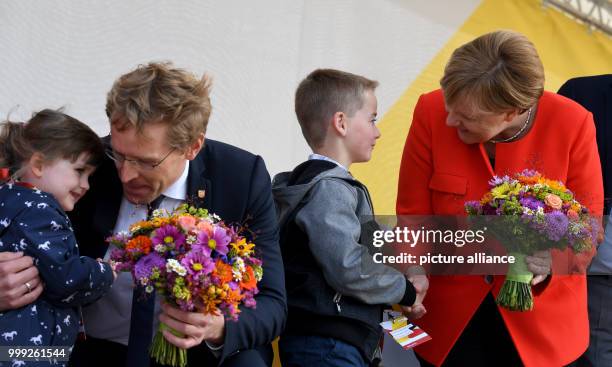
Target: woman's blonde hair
{"points": [[498, 72]]}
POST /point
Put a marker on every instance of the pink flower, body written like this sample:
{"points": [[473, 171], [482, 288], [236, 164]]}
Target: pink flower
{"points": [[187, 222], [217, 240], [206, 227], [553, 201]]}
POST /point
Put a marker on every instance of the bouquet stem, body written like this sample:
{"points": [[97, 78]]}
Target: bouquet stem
{"points": [[165, 353], [515, 294]]}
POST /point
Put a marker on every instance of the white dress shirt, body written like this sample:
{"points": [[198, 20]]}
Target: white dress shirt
{"points": [[325, 158]]}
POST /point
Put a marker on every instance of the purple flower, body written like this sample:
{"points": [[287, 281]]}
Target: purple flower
{"points": [[529, 173], [230, 311], [218, 241], [531, 203], [556, 225], [595, 229], [170, 236], [496, 180], [473, 207], [489, 210], [254, 261], [144, 267], [249, 298], [197, 262], [119, 239], [118, 254]]}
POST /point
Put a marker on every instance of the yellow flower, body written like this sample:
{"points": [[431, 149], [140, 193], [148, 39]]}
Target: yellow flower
{"points": [[242, 248]]}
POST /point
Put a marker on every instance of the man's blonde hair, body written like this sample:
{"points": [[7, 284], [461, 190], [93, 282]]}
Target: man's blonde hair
{"points": [[159, 92], [498, 72], [323, 93]]}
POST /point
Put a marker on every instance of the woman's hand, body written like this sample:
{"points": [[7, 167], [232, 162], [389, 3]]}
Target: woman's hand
{"points": [[416, 275], [539, 263]]}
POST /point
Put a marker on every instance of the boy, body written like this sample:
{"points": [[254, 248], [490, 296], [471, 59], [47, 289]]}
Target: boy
{"points": [[335, 291]]}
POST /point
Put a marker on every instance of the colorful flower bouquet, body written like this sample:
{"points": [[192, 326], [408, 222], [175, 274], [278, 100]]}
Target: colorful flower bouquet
{"points": [[194, 261], [530, 213]]}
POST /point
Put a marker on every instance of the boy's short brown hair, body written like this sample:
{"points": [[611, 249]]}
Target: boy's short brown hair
{"points": [[498, 72], [160, 92], [323, 93]]}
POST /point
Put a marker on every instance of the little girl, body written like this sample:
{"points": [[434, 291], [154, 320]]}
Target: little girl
{"points": [[44, 169]]}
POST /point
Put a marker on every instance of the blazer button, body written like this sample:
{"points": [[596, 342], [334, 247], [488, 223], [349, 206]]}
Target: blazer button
{"points": [[488, 279]]}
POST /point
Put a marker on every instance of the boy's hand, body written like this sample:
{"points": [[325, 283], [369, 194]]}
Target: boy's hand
{"points": [[20, 284], [414, 312]]}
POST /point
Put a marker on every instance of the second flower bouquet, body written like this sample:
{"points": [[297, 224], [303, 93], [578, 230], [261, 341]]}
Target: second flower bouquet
{"points": [[529, 213], [192, 260]]}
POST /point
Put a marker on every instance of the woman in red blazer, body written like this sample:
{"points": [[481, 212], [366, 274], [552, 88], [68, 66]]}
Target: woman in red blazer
{"points": [[493, 117]]}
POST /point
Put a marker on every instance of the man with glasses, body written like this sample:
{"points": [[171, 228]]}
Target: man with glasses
{"points": [[158, 157]]}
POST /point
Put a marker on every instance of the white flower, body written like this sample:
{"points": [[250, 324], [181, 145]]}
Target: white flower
{"points": [[237, 275], [238, 269], [160, 248], [175, 266], [191, 239]]}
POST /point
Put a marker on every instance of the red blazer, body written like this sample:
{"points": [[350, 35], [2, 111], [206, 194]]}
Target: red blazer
{"points": [[438, 178]]}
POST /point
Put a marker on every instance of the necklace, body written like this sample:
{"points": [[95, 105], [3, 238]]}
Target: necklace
{"points": [[517, 133]]}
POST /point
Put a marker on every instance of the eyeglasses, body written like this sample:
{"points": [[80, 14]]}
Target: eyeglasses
{"points": [[119, 159]]}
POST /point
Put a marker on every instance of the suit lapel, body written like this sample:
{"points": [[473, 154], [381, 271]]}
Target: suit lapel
{"points": [[199, 187]]}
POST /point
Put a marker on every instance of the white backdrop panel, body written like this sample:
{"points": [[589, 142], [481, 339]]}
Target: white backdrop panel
{"points": [[68, 52]]}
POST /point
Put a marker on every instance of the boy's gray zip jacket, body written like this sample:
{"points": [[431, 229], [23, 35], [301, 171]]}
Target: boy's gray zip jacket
{"points": [[334, 287]]}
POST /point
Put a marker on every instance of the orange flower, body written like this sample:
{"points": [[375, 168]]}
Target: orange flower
{"points": [[248, 279], [223, 271], [555, 185], [486, 198], [234, 297], [576, 207], [139, 244], [143, 224], [160, 222], [209, 304], [528, 180]]}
